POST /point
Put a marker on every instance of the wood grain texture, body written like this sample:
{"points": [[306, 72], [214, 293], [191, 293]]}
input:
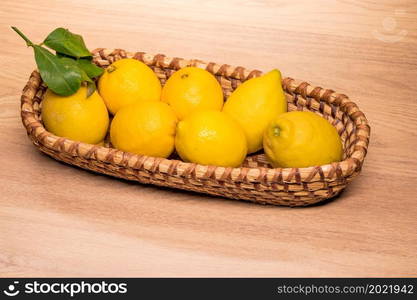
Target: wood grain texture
{"points": [[57, 220]]}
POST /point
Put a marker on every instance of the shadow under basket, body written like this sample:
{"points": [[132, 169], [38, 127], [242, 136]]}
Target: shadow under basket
{"points": [[254, 181]]}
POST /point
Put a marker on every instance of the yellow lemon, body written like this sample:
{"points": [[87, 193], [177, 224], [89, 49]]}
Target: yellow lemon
{"points": [[191, 89], [254, 104], [146, 128], [76, 117], [128, 81], [211, 138], [301, 139]]}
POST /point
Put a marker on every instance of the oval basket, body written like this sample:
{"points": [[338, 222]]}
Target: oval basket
{"points": [[254, 181]]}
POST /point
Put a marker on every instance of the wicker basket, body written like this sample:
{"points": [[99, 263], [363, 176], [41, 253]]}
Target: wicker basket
{"points": [[255, 181]]}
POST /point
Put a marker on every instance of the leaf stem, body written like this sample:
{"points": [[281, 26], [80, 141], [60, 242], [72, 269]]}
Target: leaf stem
{"points": [[111, 69], [276, 131], [28, 42]]}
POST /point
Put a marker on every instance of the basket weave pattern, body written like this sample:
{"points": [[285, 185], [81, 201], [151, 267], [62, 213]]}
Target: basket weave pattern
{"points": [[254, 181]]}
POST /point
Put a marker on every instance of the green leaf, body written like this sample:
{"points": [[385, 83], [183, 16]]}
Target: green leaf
{"points": [[60, 55], [90, 68], [91, 86], [64, 72], [66, 42], [72, 63], [62, 78]]}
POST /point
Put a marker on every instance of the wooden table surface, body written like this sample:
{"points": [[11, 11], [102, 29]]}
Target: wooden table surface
{"points": [[57, 220]]}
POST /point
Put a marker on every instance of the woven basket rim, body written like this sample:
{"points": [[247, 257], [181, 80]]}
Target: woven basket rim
{"points": [[120, 158]]}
